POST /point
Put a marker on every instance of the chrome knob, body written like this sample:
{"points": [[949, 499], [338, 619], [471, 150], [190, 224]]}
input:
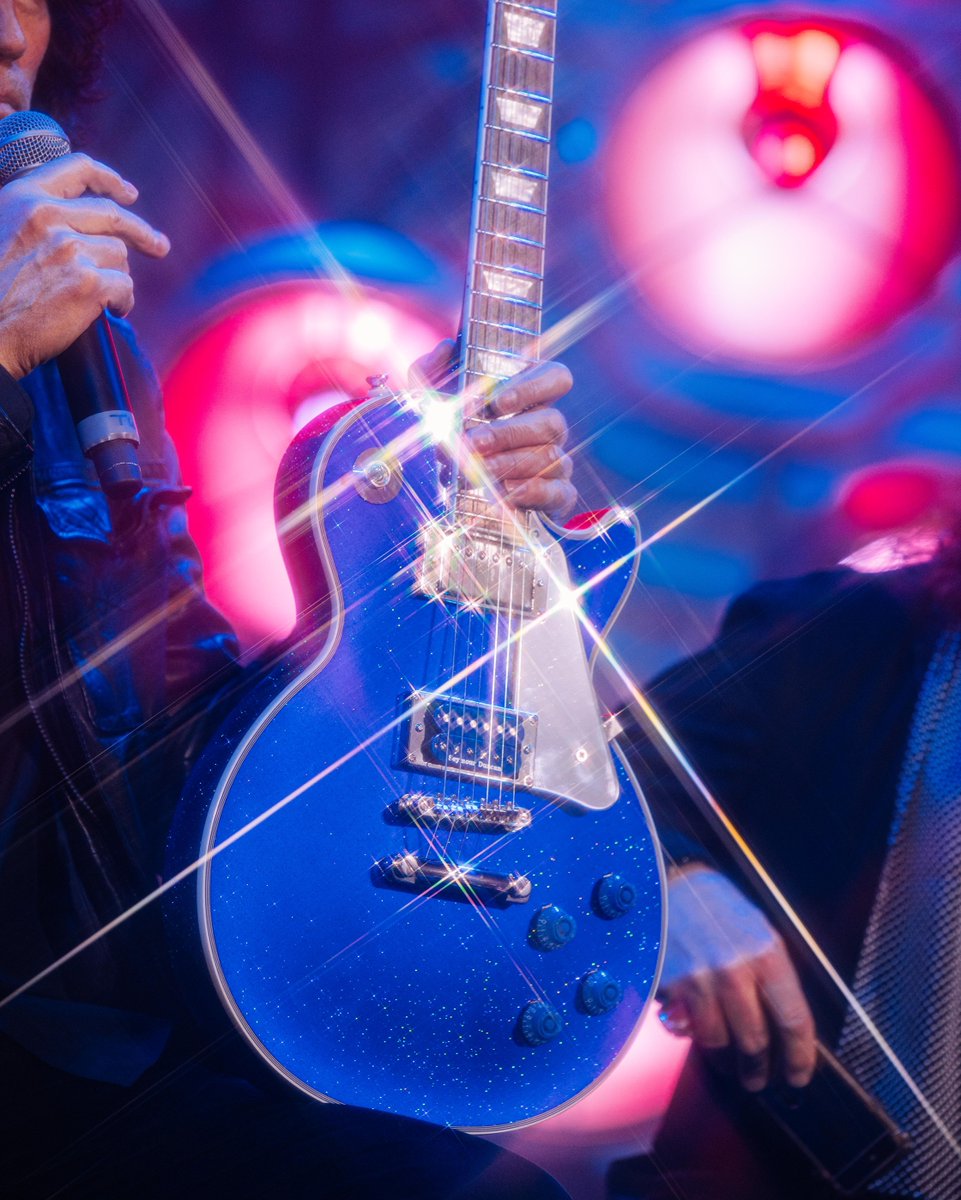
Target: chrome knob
{"points": [[614, 896], [540, 1023], [599, 992], [552, 928]]}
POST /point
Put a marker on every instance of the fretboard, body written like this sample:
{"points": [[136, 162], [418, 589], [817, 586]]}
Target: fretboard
{"points": [[505, 282]]}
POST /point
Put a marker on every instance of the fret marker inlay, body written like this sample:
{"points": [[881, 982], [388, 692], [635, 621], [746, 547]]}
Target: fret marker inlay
{"points": [[508, 186], [498, 365], [519, 113], [503, 284], [524, 30]]}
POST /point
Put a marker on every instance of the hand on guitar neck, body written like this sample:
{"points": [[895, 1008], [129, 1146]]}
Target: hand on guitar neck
{"points": [[523, 449], [728, 981]]}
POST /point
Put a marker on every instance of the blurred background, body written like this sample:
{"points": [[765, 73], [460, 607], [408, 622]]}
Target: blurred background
{"points": [[755, 206]]}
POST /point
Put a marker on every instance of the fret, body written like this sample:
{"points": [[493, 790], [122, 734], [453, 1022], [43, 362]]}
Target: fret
{"points": [[509, 148], [511, 255], [524, 133], [503, 310], [526, 172], [542, 10], [535, 54], [505, 218], [511, 329], [505, 285], [492, 364], [512, 72], [510, 237], [523, 93], [516, 205], [506, 308]]}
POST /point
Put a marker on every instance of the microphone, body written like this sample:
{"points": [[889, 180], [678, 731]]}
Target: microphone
{"points": [[90, 368]]}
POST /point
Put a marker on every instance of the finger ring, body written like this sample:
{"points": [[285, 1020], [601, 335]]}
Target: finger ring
{"points": [[675, 1020]]}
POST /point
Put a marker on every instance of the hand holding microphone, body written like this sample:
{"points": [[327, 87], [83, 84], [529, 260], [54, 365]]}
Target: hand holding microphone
{"points": [[64, 239]]}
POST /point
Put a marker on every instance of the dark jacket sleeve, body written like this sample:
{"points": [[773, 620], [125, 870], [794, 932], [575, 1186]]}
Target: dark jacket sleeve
{"points": [[16, 417], [796, 717]]}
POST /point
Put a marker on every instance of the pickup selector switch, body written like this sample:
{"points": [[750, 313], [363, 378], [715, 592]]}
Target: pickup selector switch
{"points": [[614, 896], [552, 928], [599, 992], [540, 1023]]}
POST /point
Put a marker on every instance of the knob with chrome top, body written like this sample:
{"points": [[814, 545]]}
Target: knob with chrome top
{"points": [[540, 1023], [614, 896], [599, 992], [552, 928]]}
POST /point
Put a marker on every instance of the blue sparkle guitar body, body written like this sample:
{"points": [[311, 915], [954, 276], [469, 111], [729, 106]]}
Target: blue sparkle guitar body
{"points": [[463, 927]]}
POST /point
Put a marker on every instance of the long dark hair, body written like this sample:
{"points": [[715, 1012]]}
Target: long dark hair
{"points": [[71, 68]]}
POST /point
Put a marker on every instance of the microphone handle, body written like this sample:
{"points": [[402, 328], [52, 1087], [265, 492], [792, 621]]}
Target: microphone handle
{"points": [[97, 396]]}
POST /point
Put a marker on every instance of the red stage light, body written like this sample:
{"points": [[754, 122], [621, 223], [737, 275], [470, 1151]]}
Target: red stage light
{"points": [[268, 362], [782, 190], [791, 127], [892, 496]]}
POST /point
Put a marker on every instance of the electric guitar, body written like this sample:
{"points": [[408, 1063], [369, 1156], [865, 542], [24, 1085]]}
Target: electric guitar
{"points": [[429, 885]]}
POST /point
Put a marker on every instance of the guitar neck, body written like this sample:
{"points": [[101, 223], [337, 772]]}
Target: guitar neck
{"points": [[505, 278]]}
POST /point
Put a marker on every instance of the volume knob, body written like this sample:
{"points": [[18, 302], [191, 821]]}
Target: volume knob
{"points": [[552, 928], [614, 896], [599, 992], [540, 1023]]}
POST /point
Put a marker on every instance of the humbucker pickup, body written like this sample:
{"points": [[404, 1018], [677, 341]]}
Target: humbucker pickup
{"points": [[464, 565], [464, 738]]}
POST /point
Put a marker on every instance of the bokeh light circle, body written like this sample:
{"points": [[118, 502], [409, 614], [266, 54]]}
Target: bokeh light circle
{"points": [[269, 361], [778, 202]]}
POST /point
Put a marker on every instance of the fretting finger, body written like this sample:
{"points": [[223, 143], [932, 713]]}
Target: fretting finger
{"points": [[535, 428], [555, 497], [541, 384], [549, 462]]}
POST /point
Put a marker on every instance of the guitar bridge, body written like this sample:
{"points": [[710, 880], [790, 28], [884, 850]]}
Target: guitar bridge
{"points": [[442, 812], [410, 870]]}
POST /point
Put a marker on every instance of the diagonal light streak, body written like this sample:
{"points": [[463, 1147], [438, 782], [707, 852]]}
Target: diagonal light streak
{"points": [[441, 689], [185, 59], [678, 761]]}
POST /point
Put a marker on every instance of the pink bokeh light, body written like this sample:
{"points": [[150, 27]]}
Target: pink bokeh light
{"points": [[740, 261], [266, 363]]}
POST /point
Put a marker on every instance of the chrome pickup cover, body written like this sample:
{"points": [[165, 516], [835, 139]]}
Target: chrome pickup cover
{"points": [[464, 738], [475, 559]]}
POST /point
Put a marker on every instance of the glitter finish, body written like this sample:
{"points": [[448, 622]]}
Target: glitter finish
{"points": [[411, 1002]]}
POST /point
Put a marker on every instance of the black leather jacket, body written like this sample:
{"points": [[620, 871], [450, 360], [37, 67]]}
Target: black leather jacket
{"points": [[112, 655]]}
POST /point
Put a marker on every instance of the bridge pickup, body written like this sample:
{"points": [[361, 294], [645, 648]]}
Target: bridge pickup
{"points": [[411, 871], [464, 738], [443, 812]]}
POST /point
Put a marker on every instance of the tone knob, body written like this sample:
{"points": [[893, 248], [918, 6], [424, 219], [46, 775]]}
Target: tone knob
{"points": [[599, 992], [540, 1023], [614, 896], [552, 928]]}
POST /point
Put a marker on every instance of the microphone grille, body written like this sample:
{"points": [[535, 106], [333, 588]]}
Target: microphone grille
{"points": [[28, 140]]}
